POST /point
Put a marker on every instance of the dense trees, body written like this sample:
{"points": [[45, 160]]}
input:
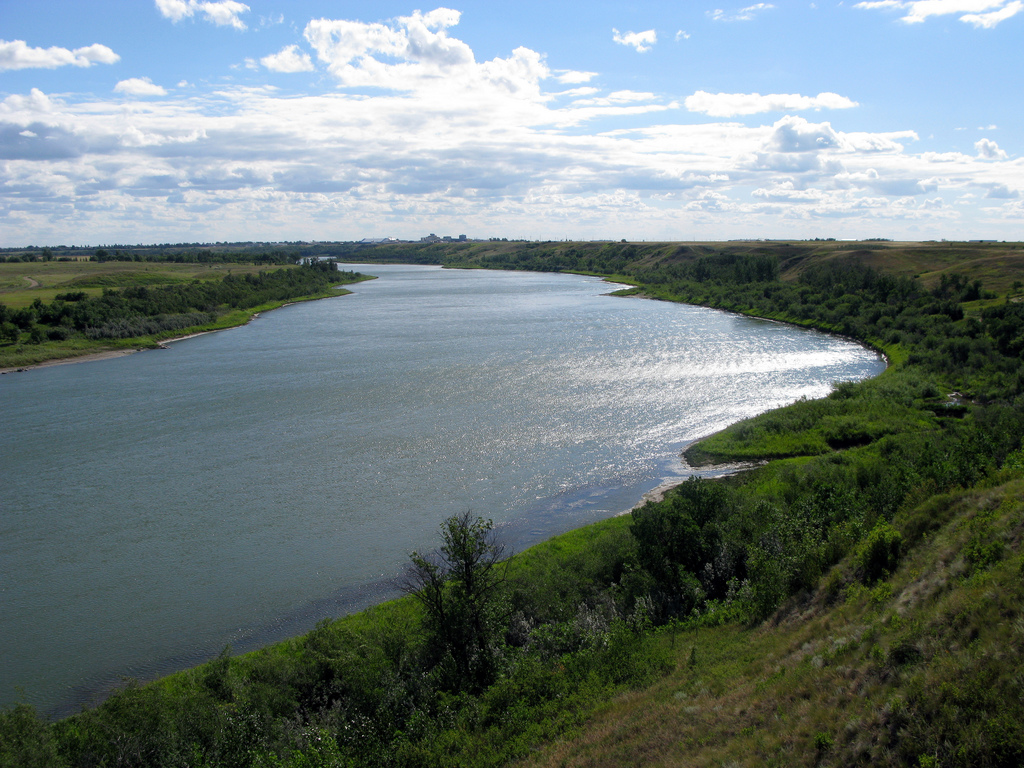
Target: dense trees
{"points": [[143, 310]]}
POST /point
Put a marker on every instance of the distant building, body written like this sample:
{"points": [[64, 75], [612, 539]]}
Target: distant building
{"points": [[432, 238]]}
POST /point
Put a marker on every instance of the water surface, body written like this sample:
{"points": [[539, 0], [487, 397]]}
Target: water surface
{"points": [[241, 485]]}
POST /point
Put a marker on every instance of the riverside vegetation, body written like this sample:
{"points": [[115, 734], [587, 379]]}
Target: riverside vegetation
{"points": [[855, 600], [90, 308]]}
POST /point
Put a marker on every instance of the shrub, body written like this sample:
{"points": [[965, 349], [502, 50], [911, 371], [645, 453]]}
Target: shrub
{"points": [[880, 553]]}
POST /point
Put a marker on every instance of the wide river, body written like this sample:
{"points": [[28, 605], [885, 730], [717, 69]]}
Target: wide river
{"points": [[241, 485]]}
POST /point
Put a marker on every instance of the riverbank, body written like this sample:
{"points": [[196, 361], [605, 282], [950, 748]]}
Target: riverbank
{"points": [[65, 353]]}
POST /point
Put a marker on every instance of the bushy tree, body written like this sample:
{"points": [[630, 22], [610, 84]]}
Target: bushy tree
{"points": [[459, 588], [678, 539]]}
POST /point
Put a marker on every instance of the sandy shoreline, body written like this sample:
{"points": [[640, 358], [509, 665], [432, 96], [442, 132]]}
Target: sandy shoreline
{"points": [[109, 354]]}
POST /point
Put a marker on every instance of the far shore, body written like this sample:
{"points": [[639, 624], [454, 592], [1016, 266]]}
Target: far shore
{"points": [[107, 354]]}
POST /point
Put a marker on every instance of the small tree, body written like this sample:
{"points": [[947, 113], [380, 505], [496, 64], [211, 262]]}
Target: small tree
{"points": [[459, 588]]}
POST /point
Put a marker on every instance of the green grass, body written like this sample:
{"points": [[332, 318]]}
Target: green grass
{"points": [[851, 416], [56, 277], [924, 664]]}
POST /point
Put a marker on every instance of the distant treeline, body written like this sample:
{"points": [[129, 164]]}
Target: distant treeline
{"points": [[143, 311], [174, 255]]}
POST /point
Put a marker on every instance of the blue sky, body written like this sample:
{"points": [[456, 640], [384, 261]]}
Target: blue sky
{"points": [[148, 121]]}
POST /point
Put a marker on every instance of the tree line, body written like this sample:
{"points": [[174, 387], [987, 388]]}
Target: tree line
{"points": [[142, 310]]}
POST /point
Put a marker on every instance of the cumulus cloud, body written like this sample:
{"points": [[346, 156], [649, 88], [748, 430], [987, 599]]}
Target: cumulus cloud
{"points": [[744, 14], [989, 150], [140, 86], [979, 13], [1001, 192], [416, 54], [36, 101], [222, 12], [794, 134], [423, 135], [642, 41], [358, 53], [17, 54], [733, 104], [288, 59]]}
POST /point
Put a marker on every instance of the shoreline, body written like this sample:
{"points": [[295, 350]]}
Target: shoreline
{"points": [[108, 354]]}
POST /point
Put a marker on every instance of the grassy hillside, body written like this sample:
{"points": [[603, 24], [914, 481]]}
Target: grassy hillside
{"points": [[920, 668], [855, 600]]}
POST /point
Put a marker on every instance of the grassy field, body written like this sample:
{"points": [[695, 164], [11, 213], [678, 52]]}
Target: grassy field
{"points": [[24, 282]]}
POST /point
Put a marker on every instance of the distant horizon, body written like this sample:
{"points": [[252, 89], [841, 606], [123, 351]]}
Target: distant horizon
{"points": [[395, 241], [266, 121]]}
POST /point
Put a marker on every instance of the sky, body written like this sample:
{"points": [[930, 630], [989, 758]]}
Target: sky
{"points": [[165, 121]]}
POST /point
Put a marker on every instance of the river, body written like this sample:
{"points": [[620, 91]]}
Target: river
{"points": [[241, 485]]}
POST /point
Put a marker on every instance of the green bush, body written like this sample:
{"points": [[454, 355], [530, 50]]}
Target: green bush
{"points": [[880, 552]]}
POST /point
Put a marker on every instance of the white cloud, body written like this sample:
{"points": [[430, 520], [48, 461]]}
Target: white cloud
{"points": [[222, 12], [415, 54], [36, 101], [989, 150], [744, 14], [733, 104], [642, 41], [571, 76], [980, 13], [989, 20], [617, 97], [682, 34], [17, 54], [424, 136], [362, 54], [288, 59], [1001, 192], [794, 134], [140, 86], [175, 10]]}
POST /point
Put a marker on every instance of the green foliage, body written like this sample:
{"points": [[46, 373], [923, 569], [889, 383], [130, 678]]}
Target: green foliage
{"points": [[676, 538], [141, 310], [458, 587], [880, 552], [26, 741]]}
